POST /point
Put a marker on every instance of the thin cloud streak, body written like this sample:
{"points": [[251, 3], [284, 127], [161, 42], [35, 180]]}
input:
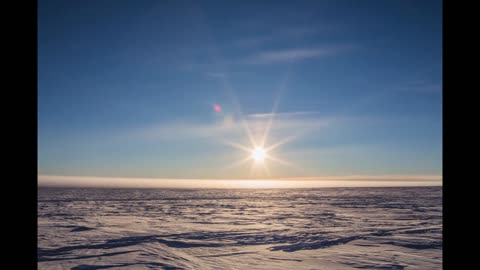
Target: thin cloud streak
{"points": [[294, 55], [283, 114], [284, 34], [280, 36], [300, 121]]}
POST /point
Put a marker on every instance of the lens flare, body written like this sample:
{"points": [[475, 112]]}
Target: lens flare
{"points": [[217, 108]]}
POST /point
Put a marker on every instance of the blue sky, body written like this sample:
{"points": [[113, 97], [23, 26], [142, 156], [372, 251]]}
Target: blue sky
{"points": [[127, 88]]}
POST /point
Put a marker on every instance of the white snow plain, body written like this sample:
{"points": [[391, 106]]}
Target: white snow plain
{"points": [[325, 228]]}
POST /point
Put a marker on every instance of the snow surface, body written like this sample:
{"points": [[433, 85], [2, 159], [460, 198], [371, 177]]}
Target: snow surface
{"points": [[329, 228]]}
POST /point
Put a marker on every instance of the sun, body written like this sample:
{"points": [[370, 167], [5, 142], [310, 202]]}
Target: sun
{"points": [[258, 154], [259, 151]]}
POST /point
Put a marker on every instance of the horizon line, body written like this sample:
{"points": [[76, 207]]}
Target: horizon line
{"points": [[351, 177], [293, 182]]}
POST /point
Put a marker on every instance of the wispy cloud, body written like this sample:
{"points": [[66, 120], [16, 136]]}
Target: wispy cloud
{"points": [[280, 35], [231, 127], [282, 114], [421, 87], [295, 54], [257, 49]]}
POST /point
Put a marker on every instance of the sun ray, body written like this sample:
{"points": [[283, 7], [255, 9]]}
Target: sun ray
{"points": [[276, 102], [237, 163], [282, 142], [257, 149], [248, 131], [237, 107], [267, 129], [283, 162], [236, 145], [259, 155]]}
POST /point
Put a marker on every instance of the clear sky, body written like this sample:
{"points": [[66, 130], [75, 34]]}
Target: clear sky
{"points": [[164, 89]]}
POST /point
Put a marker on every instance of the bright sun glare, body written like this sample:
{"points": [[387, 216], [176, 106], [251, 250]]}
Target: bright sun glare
{"points": [[259, 151], [258, 154]]}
